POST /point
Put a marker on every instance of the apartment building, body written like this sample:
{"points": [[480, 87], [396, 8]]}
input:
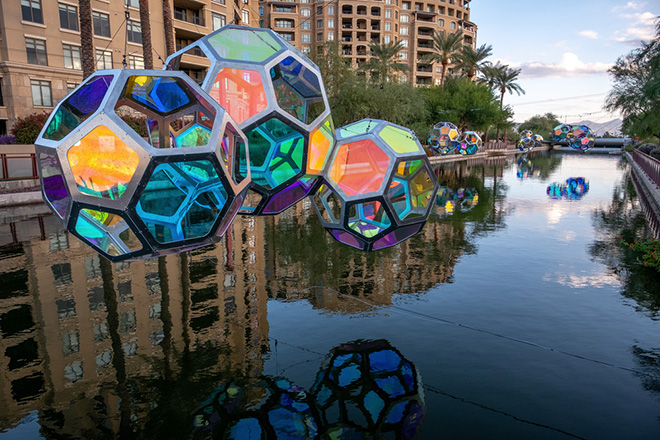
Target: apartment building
{"points": [[40, 60], [356, 23]]}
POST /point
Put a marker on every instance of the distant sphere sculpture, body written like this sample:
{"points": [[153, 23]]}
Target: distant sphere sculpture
{"points": [[528, 141], [276, 95], [581, 138], [444, 138], [573, 189], [561, 132], [172, 187], [470, 143], [379, 186], [382, 389]]}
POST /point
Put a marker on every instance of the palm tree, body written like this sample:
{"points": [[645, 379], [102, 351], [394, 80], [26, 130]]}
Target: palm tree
{"points": [[501, 78], [445, 45], [168, 27], [471, 61], [145, 25], [383, 64], [87, 55]]}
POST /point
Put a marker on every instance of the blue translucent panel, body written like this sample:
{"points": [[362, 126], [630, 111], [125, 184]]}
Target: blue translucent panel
{"points": [[348, 375], [408, 375], [182, 200], [384, 360], [162, 94], [290, 425], [108, 232], [323, 395], [300, 77], [245, 429], [374, 405], [396, 413], [391, 386]]}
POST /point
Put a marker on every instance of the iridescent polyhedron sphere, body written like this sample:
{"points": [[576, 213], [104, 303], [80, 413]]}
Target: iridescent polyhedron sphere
{"points": [[379, 186], [573, 189], [140, 163], [560, 132], [444, 137], [277, 97], [581, 138], [262, 408], [367, 389], [470, 143]]}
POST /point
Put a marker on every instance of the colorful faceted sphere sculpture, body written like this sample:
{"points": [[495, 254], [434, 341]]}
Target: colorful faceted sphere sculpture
{"points": [[367, 389], [581, 138], [561, 132], [140, 163], [528, 141], [470, 143], [444, 138], [379, 186], [573, 189], [277, 97]]}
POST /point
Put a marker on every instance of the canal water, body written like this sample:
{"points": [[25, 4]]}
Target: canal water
{"points": [[512, 315]]}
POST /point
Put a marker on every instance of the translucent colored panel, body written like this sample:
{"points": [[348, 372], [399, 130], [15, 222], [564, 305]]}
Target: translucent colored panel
{"points": [[407, 168], [78, 107], [233, 210], [53, 183], [102, 164], [240, 92], [290, 195], [422, 188], [289, 100], [360, 127], [328, 204], [195, 136], [108, 232], [346, 238], [399, 140], [359, 167], [374, 405], [153, 130], [251, 202], [182, 200], [321, 142], [162, 94], [397, 236], [314, 109], [384, 360], [301, 78], [368, 219], [244, 44], [400, 196]]}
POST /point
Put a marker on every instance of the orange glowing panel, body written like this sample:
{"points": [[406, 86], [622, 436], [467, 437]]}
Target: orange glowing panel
{"points": [[240, 92], [102, 164], [359, 167], [321, 141]]}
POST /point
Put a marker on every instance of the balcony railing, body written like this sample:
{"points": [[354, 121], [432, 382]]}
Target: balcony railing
{"points": [[189, 18], [649, 165]]}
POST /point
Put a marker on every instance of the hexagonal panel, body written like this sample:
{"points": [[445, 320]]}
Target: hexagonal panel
{"points": [[240, 92], [102, 164], [182, 200], [244, 44], [161, 94], [289, 100], [77, 107], [54, 185], [298, 90], [276, 153], [108, 232], [368, 218], [322, 140], [411, 197], [359, 167], [401, 141]]}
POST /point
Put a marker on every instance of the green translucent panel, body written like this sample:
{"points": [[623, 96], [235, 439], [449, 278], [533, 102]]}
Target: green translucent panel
{"points": [[182, 200], [244, 44], [401, 141], [368, 219], [411, 198], [360, 127], [195, 136], [276, 153], [108, 232], [408, 168], [421, 188], [289, 100]]}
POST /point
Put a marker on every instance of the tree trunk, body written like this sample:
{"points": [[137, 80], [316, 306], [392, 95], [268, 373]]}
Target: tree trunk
{"points": [[147, 50], [168, 27], [442, 74], [501, 106], [87, 55]]}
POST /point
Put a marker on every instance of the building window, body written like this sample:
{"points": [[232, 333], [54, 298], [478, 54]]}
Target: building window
{"points": [[387, 39], [452, 25], [388, 26], [261, 11], [70, 87], [135, 62], [404, 42], [287, 37], [71, 56], [283, 23], [319, 37], [319, 24], [101, 24], [331, 37], [304, 1], [31, 10], [133, 3], [134, 31], [306, 38], [388, 13], [331, 23], [41, 96], [306, 49], [103, 59], [306, 25], [222, 2], [441, 22], [305, 12], [331, 10], [245, 16], [219, 20], [405, 18], [68, 17], [404, 30], [403, 54], [319, 10], [36, 51]]}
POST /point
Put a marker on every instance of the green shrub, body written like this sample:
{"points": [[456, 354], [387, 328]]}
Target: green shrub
{"points": [[655, 153], [26, 129], [137, 123], [647, 148]]}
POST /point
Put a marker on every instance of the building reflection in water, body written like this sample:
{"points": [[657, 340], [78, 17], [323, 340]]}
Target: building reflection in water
{"points": [[104, 350]]}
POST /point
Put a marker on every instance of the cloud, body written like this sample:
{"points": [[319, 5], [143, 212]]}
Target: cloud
{"points": [[629, 5], [589, 34], [570, 65], [642, 28]]}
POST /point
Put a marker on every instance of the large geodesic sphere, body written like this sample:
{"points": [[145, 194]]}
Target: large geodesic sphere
{"points": [[367, 389], [379, 187], [443, 138], [140, 163], [581, 138], [470, 143], [262, 408], [560, 132], [276, 95]]}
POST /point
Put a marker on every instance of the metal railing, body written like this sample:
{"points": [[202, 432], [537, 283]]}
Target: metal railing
{"points": [[14, 166], [649, 165]]}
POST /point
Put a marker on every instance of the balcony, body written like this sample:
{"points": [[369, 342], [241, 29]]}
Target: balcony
{"points": [[347, 25], [196, 19]]}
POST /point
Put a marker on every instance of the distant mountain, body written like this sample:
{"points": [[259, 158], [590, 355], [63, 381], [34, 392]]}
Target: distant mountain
{"points": [[599, 128]]}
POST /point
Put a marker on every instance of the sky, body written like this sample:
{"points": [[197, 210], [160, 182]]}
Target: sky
{"points": [[563, 49]]}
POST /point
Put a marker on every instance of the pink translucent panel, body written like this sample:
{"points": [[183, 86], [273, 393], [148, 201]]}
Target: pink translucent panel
{"points": [[346, 238], [240, 92], [359, 167], [397, 236]]}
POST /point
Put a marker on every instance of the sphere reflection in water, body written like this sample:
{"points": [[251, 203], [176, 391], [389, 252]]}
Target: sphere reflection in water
{"points": [[573, 189], [367, 389]]}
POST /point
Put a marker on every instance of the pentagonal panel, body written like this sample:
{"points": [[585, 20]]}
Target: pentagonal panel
{"points": [[401, 141], [182, 200], [77, 107], [290, 195], [161, 94], [411, 197], [102, 164], [328, 204], [321, 142], [289, 100], [53, 182], [359, 167], [347, 238], [368, 218], [244, 44], [108, 232], [397, 236], [298, 90], [361, 127], [240, 92]]}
